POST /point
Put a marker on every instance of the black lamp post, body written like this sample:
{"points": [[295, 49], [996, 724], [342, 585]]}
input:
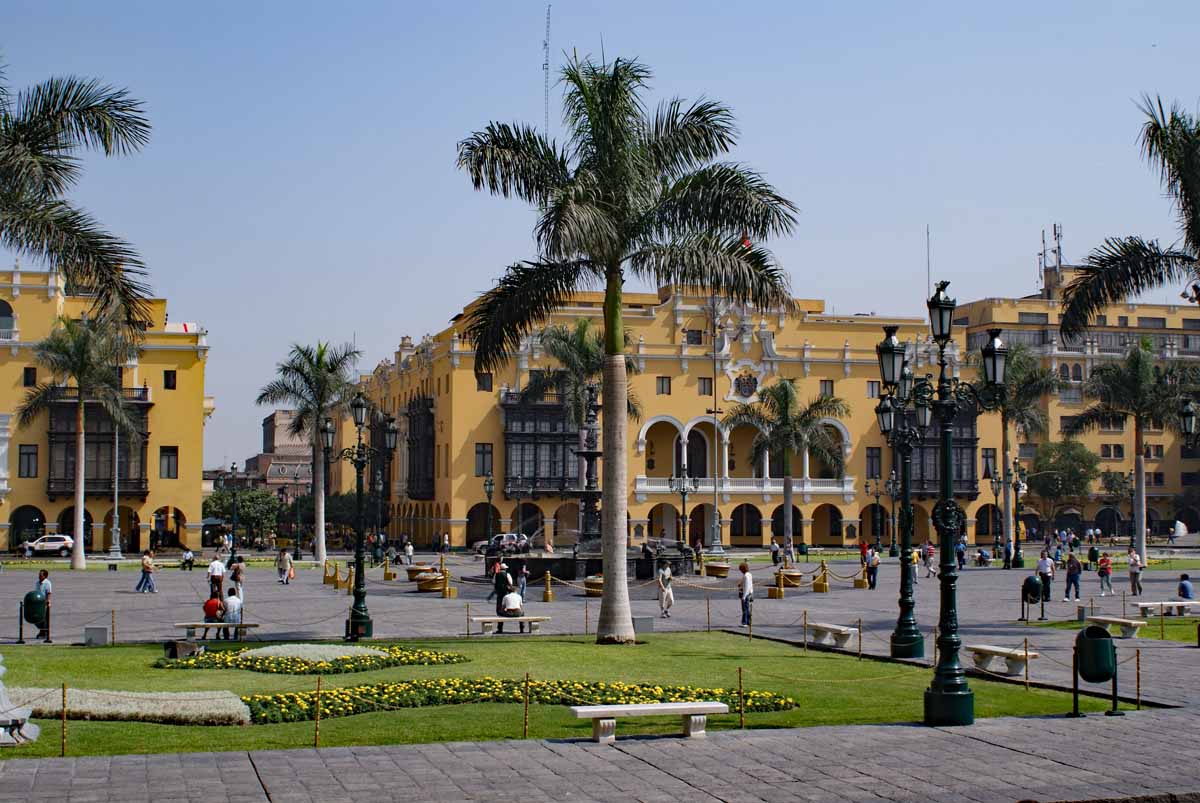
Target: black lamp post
{"points": [[997, 483], [900, 391], [489, 487], [876, 491], [282, 493], [684, 486], [359, 624], [949, 700], [892, 486], [296, 534], [233, 493], [1019, 487]]}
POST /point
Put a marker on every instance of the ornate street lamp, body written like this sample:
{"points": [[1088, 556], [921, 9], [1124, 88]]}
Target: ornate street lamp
{"points": [[226, 481], [901, 390], [876, 526], [684, 486], [949, 700], [359, 624], [892, 486], [489, 488], [296, 534], [1019, 487], [997, 483]]}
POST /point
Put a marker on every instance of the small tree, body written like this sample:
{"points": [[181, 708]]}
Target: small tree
{"points": [[258, 509], [1062, 471]]}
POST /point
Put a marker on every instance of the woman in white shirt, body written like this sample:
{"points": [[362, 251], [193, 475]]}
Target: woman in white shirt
{"points": [[746, 593], [1045, 570]]}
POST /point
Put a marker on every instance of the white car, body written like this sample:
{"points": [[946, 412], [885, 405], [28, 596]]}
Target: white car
{"points": [[62, 544]]}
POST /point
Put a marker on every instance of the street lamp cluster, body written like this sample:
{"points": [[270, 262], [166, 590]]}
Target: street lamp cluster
{"points": [[226, 482], [948, 700], [359, 624]]}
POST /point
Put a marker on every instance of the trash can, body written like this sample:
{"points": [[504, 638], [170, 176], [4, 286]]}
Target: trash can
{"points": [[35, 608], [1093, 557], [803, 549], [1096, 654], [1031, 589]]}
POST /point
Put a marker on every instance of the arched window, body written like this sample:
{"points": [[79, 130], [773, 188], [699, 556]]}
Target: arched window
{"points": [[6, 317], [1077, 372], [1064, 372]]}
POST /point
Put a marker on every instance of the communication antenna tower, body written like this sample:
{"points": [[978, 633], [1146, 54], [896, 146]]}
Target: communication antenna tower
{"points": [[546, 76]]}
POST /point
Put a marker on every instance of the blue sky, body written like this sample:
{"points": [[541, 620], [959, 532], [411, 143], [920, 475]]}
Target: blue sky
{"points": [[300, 182]]}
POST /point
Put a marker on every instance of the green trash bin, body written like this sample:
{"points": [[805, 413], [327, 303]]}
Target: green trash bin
{"points": [[1031, 590], [803, 548], [35, 608], [1096, 653]]}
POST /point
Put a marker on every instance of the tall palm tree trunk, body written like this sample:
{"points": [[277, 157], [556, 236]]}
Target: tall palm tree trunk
{"points": [[615, 625], [1139, 496], [787, 502], [318, 505], [78, 561], [1006, 457]]}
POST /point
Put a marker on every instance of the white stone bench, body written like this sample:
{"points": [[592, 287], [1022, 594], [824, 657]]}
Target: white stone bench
{"points": [[488, 623], [604, 717], [1129, 627], [1178, 606], [838, 634], [1014, 657], [190, 628]]}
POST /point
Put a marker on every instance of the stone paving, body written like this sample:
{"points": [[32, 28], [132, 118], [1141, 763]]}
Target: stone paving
{"points": [[1002, 759]]}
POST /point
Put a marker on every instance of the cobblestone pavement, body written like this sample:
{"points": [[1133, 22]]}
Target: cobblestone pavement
{"points": [[997, 759]]}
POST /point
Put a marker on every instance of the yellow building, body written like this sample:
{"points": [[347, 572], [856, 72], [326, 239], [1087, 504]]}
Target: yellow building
{"points": [[1174, 334], [160, 482], [456, 427]]}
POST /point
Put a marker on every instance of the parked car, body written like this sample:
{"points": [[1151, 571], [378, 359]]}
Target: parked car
{"points": [[62, 544], [501, 542]]}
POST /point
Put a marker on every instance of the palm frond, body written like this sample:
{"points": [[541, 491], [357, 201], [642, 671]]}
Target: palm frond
{"points": [[1120, 268], [513, 159], [38, 399], [1171, 142], [726, 199], [746, 275], [681, 139], [574, 222], [85, 113]]}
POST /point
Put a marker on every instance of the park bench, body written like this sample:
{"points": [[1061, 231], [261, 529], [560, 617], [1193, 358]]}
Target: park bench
{"points": [[192, 627], [1179, 606], [488, 623], [1014, 657], [604, 717], [1129, 627], [823, 633]]}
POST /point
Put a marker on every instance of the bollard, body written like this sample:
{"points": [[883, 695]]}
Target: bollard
{"points": [[860, 638], [64, 720], [741, 702], [442, 564], [1137, 665], [586, 616], [1026, 664], [21, 624], [317, 718], [1092, 601], [1162, 622], [525, 724], [113, 630], [805, 614], [447, 592], [1123, 605], [708, 616], [700, 563], [1075, 684], [935, 645], [468, 620], [548, 594], [48, 641]]}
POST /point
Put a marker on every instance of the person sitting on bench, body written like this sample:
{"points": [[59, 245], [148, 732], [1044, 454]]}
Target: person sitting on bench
{"points": [[1185, 588], [233, 613], [511, 606], [214, 612], [188, 561]]}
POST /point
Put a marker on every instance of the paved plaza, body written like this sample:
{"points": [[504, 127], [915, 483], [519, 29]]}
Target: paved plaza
{"points": [[993, 760]]}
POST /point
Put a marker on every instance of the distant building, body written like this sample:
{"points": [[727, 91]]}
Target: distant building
{"points": [[285, 460]]}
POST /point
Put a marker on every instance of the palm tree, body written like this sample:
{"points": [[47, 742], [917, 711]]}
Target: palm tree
{"points": [[316, 382], [42, 129], [1135, 388], [1026, 383], [87, 354], [1126, 266], [786, 425], [628, 193]]}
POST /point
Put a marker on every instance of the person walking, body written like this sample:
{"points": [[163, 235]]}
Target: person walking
{"points": [[522, 579], [216, 576], [1104, 572], [233, 614], [927, 558], [872, 567], [1135, 572], [1008, 554], [746, 593], [960, 552], [237, 576], [145, 585], [1074, 572], [283, 565], [1045, 570], [408, 552], [774, 552], [666, 597]]}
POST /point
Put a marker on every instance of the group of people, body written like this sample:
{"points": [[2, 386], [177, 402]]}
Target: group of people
{"points": [[1048, 566], [510, 596]]}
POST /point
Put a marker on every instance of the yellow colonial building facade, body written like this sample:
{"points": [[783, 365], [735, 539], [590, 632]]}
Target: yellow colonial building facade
{"points": [[458, 427], [159, 483], [1173, 332]]}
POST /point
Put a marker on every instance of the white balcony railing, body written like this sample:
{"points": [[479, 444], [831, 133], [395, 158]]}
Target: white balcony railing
{"points": [[767, 486]]}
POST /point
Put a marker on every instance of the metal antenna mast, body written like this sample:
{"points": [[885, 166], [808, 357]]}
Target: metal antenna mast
{"points": [[546, 76]]}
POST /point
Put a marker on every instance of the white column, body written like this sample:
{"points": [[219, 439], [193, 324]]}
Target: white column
{"points": [[805, 466]]}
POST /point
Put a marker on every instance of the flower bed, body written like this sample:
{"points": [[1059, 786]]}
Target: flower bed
{"points": [[341, 702], [170, 708], [376, 658]]}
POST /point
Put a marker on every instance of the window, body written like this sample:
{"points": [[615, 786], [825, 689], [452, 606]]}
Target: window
{"points": [[168, 462], [706, 387], [1067, 423], [826, 387], [27, 461], [989, 462], [29, 376], [1152, 323], [1077, 373], [1033, 317], [483, 382], [1122, 320], [1112, 425], [1064, 372], [1189, 478], [1154, 451], [1027, 451], [874, 462], [1118, 451], [872, 389], [1101, 320], [1191, 323], [1105, 451], [662, 385], [693, 337], [168, 380], [1155, 478], [483, 459], [1155, 424]]}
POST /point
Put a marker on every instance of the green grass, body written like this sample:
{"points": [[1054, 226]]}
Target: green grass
{"points": [[1168, 628], [828, 689]]}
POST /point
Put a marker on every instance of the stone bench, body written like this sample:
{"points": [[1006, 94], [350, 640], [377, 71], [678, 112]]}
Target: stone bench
{"points": [[1129, 627], [190, 628], [1179, 606], [1014, 657], [604, 717], [488, 623], [838, 634]]}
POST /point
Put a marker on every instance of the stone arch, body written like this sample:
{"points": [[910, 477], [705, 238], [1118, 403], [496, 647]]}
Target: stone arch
{"points": [[1109, 521], [827, 526], [922, 527], [1190, 518], [868, 516], [987, 521], [797, 524], [66, 524], [663, 522], [816, 468], [130, 523], [700, 521], [657, 419], [1069, 519], [656, 443], [26, 523], [698, 450], [566, 524], [480, 526], [1076, 373], [7, 321], [745, 526], [169, 524], [528, 519]]}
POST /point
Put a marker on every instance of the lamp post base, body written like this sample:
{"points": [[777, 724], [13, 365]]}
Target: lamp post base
{"points": [[949, 708], [1018, 563], [359, 628], [893, 551], [908, 646]]}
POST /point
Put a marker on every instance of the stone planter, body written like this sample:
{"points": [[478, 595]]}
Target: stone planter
{"points": [[594, 586], [416, 571], [791, 578], [431, 582], [716, 569]]}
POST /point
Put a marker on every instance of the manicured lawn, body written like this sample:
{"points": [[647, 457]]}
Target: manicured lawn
{"points": [[1170, 628], [828, 689]]}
